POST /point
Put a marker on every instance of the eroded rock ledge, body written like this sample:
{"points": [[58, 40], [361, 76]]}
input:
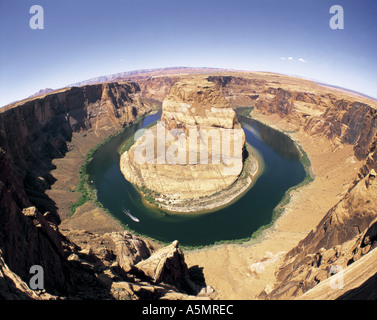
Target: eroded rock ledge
{"points": [[194, 153], [115, 265]]}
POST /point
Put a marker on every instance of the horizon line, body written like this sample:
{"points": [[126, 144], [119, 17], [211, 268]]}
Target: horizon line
{"points": [[134, 72]]}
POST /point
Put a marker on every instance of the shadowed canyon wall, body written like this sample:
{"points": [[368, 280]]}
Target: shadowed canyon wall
{"points": [[32, 134]]}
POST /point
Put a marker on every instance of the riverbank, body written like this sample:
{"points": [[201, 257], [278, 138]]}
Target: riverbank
{"points": [[244, 271], [84, 211], [252, 169]]}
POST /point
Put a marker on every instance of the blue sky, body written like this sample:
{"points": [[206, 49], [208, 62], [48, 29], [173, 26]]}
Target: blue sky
{"points": [[82, 39]]}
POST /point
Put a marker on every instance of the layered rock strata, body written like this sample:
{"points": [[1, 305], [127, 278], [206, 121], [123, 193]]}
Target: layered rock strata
{"points": [[36, 131], [196, 150], [346, 233]]}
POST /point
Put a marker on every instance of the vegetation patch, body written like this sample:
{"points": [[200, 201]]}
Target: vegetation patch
{"points": [[83, 186]]}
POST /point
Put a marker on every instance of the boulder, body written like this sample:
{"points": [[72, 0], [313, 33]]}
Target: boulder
{"points": [[167, 265]]}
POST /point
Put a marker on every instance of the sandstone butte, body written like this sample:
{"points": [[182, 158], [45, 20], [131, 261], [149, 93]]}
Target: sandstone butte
{"points": [[196, 120]]}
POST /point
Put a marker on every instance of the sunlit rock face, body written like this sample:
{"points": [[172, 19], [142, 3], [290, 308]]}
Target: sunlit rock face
{"points": [[194, 151]]}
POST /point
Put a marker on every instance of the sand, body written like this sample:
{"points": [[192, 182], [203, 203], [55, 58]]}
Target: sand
{"points": [[244, 271]]}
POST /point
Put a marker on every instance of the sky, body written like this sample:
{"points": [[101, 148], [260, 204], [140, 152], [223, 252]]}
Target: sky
{"points": [[82, 39]]}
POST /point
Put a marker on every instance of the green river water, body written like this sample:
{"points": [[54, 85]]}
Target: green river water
{"points": [[282, 170]]}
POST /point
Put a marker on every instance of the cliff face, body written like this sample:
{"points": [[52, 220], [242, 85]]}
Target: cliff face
{"points": [[197, 103], [33, 133], [26, 238], [37, 131], [345, 234], [194, 123], [157, 88], [239, 91], [319, 111]]}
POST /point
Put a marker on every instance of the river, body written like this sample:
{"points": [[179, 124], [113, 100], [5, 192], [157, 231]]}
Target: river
{"points": [[282, 170]]}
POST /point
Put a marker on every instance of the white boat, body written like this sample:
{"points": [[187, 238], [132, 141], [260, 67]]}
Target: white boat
{"points": [[128, 213]]}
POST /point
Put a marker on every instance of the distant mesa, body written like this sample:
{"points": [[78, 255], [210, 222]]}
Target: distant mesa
{"points": [[132, 75], [41, 92]]}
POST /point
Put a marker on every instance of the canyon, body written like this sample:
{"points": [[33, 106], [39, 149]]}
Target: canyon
{"points": [[329, 222]]}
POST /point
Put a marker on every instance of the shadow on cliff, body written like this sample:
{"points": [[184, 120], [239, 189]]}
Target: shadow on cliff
{"points": [[36, 190], [38, 178], [197, 275], [367, 291]]}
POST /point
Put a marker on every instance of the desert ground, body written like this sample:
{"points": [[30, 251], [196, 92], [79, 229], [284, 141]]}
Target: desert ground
{"points": [[244, 271]]}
